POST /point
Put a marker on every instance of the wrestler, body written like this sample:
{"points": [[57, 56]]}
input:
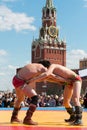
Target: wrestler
{"points": [[72, 89], [24, 88]]}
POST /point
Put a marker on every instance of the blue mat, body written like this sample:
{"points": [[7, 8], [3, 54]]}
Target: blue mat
{"points": [[38, 108], [43, 108]]}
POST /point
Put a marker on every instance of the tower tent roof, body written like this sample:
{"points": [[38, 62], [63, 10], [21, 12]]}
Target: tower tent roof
{"points": [[49, 3]]}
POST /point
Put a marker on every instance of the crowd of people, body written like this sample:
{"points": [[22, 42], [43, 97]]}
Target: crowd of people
{"points": [[7, 100]]}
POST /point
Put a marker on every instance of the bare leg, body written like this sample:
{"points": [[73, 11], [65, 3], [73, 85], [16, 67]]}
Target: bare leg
{"points": [[76, 93], [68, 91], [20, 98], [30, 92], [76, 97], [67, 103]]}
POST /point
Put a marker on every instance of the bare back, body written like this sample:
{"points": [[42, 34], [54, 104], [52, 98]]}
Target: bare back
{"points": [[61, 71], [31, 70]]}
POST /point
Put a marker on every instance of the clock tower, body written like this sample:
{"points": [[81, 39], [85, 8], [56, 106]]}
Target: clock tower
{"points": [[48, 46]]}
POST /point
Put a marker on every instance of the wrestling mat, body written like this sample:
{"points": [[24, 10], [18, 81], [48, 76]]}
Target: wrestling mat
{"points": [[47, 118]]}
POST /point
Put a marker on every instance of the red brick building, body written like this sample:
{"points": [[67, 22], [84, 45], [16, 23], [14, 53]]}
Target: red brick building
{"points": [[48, 46]]}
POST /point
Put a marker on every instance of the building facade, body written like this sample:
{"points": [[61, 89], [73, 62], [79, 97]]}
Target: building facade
{"points": [[83, 63], [48, 46]]}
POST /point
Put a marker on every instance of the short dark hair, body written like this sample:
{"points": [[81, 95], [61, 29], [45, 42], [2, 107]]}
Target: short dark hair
{"points": [[18, 69], [45, 63]]}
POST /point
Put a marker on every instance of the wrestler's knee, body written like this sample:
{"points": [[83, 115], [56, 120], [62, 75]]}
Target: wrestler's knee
{"points": [[19, 100], [34, 100]]}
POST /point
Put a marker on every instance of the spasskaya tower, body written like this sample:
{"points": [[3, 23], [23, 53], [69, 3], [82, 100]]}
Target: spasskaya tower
{"points": [[48, 46]]}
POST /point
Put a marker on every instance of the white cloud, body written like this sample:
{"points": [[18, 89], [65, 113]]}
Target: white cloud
{"points": [[73, 58], [3, 57], [3, 53], [6, 75], [12, 67], [17, 21], [1, 74], [7, 71]]}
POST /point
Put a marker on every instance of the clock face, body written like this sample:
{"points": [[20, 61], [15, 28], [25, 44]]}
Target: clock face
{"points": [[52, 31]]}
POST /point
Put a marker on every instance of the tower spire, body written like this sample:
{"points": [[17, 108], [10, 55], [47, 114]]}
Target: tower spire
{"points": [[49, 3]]}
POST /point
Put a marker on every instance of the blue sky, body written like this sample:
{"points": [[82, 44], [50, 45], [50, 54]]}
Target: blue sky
{"points": [[20, 21]]}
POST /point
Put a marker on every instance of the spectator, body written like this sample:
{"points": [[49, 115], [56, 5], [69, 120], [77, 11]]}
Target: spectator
{"points": [[85, 101]]}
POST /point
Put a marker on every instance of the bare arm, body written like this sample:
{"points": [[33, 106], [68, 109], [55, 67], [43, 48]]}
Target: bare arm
{"points": [[50, 78], [39, 78], [56, 79]]}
